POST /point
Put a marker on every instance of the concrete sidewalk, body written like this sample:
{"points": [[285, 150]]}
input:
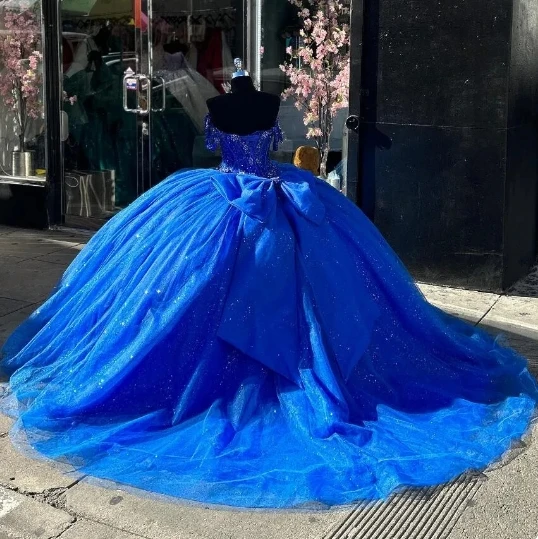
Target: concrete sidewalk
{"points": [[36, 501]]}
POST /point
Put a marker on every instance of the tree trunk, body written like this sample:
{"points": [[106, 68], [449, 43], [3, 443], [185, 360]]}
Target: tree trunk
{"points": [[325, 144], [22, 118], [22, 144], [324, 155]]}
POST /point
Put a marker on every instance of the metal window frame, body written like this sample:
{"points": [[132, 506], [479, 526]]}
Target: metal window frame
{"points": [[253, 13]]}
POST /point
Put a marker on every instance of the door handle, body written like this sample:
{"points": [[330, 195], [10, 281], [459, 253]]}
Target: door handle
{"points": [[353, 123], [144, 83], [138, 83], [130, 84]]}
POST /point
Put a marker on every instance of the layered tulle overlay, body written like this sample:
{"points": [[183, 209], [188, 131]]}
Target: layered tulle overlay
{"points": [[255, 342]]}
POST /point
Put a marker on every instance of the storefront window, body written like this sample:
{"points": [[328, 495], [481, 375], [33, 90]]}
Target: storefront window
{"points": [[136, 82], [183, 51], [101, 146], [22, 124]]}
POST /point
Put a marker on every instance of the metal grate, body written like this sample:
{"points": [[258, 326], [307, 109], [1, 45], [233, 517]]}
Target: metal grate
{"points": [[426, 513]]}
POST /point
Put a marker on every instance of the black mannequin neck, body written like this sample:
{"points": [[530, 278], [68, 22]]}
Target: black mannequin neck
{"points": [[242, 84], [244, 110]]}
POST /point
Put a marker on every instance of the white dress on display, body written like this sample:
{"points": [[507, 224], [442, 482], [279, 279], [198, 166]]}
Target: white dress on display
{"points": [[190, 88]]}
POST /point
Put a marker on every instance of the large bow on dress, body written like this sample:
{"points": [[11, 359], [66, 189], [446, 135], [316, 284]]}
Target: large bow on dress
{"points": [[257, 197], [278, 275]]}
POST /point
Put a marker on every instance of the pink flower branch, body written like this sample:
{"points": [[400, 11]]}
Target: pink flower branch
{"points": [[318, 70], [20, 58]]}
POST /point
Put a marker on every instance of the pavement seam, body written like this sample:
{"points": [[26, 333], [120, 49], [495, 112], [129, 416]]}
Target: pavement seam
{"points": [[38, 259], [49, 262], [64, 248], [42, 498], [28, 304], [72, 230], [65, 231], [68, 527], [489, 309], [107, 525]]}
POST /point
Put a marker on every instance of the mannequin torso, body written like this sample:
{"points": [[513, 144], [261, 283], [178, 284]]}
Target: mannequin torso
{"points": [[244, 110]]}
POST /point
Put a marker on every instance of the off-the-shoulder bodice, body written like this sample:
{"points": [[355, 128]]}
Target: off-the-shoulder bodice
{"points": [[246, 154]]}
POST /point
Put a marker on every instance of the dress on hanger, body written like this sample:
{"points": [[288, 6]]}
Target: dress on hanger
{"points": [[188, 87], [211, 58], [245, 336]]}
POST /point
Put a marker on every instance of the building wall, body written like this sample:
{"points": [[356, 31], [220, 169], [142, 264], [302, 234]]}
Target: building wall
{"points": [[439, 155]]}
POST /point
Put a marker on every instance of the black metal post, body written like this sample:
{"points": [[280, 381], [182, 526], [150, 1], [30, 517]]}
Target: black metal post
{"points": [[53, 107], [357, 24]]}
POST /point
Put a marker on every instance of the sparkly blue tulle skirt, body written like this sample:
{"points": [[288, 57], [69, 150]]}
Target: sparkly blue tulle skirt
{"points": [[235, 340]]}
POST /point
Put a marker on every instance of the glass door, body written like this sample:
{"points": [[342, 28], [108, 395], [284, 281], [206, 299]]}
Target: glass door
{"points": [[101, 123], [192, 47]]}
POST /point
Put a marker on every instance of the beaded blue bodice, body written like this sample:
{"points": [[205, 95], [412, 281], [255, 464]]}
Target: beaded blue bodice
{"points": [[245, 154]]}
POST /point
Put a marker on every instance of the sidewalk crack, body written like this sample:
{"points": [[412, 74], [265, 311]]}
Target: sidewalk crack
{"points": [[67, 528]]}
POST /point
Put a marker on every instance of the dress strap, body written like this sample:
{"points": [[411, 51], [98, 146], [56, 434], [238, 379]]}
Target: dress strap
{"points": [[211, 134]]}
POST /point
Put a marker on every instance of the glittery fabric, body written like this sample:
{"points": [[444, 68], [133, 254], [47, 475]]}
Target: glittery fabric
{"points": [[246, 154], [239, 340]]}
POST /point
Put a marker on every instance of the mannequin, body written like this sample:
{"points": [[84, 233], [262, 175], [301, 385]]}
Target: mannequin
{"points": [[244, 110]]}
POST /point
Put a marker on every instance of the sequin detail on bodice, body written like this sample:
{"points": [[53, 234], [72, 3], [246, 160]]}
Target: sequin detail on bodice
{"points": [[245, 154]]}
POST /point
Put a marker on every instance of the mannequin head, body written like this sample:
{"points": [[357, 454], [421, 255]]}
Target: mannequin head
{"points": [[241, 81], [244, 110], [239, 71]]}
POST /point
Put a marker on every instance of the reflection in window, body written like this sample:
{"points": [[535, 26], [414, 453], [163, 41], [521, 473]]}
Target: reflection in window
{"points": [[193, 49], [100, 153]]}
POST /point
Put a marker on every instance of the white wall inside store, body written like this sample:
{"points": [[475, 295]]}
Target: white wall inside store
{"points": [[291, 122]]}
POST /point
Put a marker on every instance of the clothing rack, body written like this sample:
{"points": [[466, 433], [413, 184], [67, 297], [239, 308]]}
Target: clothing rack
{"points": [[81, 23], [222, 18], [202, 11], [212, 17]]}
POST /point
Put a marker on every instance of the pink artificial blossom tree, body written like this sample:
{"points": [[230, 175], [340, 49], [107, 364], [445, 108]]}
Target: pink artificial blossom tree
{"points": [[20, 57], [320, 75]]}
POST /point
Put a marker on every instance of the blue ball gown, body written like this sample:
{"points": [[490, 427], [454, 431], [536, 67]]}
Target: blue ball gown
{"points": [[245, 336]]}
